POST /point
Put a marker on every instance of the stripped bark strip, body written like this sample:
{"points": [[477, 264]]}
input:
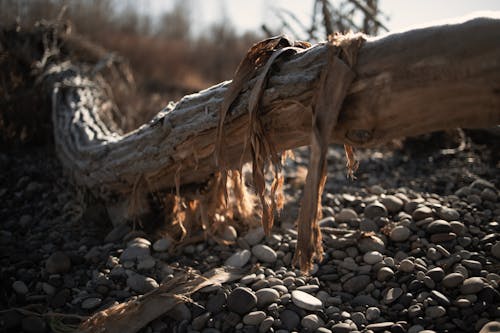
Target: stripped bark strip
{"points": [[334, 82], [263, 151], [132, 316]]}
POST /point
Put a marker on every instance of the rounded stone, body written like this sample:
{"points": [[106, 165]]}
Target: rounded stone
{"points": [[162, 244], [58, 263], [254, 318], [342, 328], [90, 303], [356, 284], [141, 283], [372, 313], [472, 285], [346, 215], [448, 214], [264, 253], [495, 250], [290, 319], [421, 213], [372, 257], [491, 327], [135, 250], [438, 226], [384, 274], [400, 233], [266, 296], [392, 203], [266, 324], [392, 295], [241, 300], [306, 301], [239, 259], [312, 322], [436, 274], [254, 236], [457, 228], [406, 265], [20, 287], [229, 234], [371, 243], [434, 312], [374, 210]]}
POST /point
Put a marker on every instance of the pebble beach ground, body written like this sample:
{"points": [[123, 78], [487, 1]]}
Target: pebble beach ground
{"points": [[412, 245]]}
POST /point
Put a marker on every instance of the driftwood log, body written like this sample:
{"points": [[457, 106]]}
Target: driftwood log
{"points": [[406, 84]]}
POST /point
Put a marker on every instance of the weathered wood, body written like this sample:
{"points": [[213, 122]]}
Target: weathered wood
{"points": [[407, 83]]}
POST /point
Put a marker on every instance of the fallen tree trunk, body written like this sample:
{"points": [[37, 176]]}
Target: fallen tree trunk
{"points": [[407, 83]]}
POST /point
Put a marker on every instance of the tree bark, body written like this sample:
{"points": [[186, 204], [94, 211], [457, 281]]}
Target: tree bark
{"points": [[406, 84]]}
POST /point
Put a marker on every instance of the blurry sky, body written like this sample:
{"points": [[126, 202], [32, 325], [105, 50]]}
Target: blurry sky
{"points": [[250, 14]]}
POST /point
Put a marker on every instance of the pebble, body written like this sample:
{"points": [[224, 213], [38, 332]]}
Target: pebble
{"points": [[90, 303], [346, 215], [371, 243], [495, 250], [215, 304], [372, 313], [58, 263], [421, 213], [266, 296], [254, 236], [374, 210], [372, 257], [438, 226], [312, 322], [141, 283], [290, 319], [264, 253], [440, 298], [392, 295], [134, 251], [400, 233], [306, 301], [146, 263], [200, 321], [436, 274], [406, 265], [384, 274], [162, 244], [453, 280], [20, 287], [491, 327], [356, 284], [266, 324], [239, 259], [448, 214], [472, 285], [380, 327], [241, 300], [434, 312], [229, 234], [254, 318], [342, 328], [392, 203]]}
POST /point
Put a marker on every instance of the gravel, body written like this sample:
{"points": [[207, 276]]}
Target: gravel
{"points": [[412, 245]]}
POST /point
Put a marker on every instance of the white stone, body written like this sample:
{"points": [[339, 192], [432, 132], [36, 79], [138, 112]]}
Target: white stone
{"points": [[264, 253], [254, 236], [372, 257], [239, 259], [306, 301]]}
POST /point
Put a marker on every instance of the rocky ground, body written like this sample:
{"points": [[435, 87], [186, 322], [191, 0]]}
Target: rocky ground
{"points": [[412, 245]]}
